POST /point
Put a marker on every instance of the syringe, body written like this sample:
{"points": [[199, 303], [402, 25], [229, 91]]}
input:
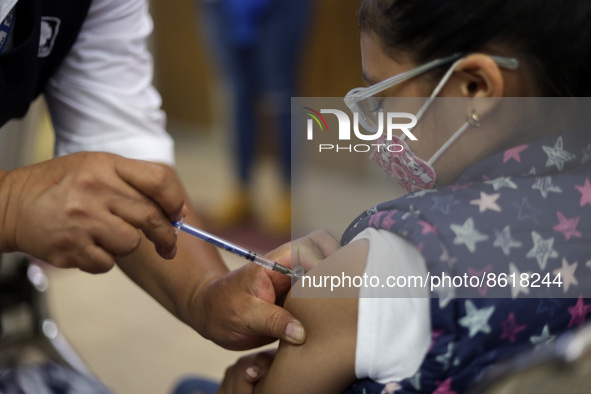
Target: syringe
{"points": [[233, 248]]}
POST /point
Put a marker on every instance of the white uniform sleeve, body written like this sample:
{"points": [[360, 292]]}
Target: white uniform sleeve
{"points": [[393, 334], [101, 97]]}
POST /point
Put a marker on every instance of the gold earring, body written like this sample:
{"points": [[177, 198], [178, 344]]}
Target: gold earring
{"points": [[474, 119]]}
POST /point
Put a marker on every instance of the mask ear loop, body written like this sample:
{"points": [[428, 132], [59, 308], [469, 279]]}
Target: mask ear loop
{"points": [[436, 91], [472, 120], [450, 141], [458, 132]]}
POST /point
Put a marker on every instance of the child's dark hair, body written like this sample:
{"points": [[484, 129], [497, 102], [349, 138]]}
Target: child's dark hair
{"points": [[552, 37]]}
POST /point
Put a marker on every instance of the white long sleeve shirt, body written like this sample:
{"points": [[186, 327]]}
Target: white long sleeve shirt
{"points": [[101, 98]]}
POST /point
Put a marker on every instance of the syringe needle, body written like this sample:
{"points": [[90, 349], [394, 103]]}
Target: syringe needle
{"points": [[233, 248]]}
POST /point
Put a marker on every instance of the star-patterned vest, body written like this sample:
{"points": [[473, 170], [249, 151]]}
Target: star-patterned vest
{"points": [[526, 210]]}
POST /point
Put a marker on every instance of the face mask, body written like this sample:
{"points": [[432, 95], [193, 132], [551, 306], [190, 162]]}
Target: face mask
{"points": [[410, 171], [402, 165]]}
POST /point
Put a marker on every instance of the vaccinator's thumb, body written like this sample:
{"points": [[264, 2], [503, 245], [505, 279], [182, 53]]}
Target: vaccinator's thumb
{"points": [[274, 321]]}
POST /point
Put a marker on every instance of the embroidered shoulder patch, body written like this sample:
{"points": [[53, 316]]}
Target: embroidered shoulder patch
{"points": [[50, 26]]}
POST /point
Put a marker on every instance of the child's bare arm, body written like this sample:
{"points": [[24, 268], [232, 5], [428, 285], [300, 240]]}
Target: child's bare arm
{"points": [[326, 362]]}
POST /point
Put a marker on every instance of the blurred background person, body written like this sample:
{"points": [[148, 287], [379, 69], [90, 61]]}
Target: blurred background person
{"points": [[257, 45]]}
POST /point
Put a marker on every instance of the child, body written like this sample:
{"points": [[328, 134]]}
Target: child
{"points": [[510, 197]]}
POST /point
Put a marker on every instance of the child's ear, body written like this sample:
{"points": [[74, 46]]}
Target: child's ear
{"points": [[480, 77]]}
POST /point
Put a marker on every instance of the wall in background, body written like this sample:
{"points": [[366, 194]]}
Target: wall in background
{"points": [[187, 78], [183, 72]]}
